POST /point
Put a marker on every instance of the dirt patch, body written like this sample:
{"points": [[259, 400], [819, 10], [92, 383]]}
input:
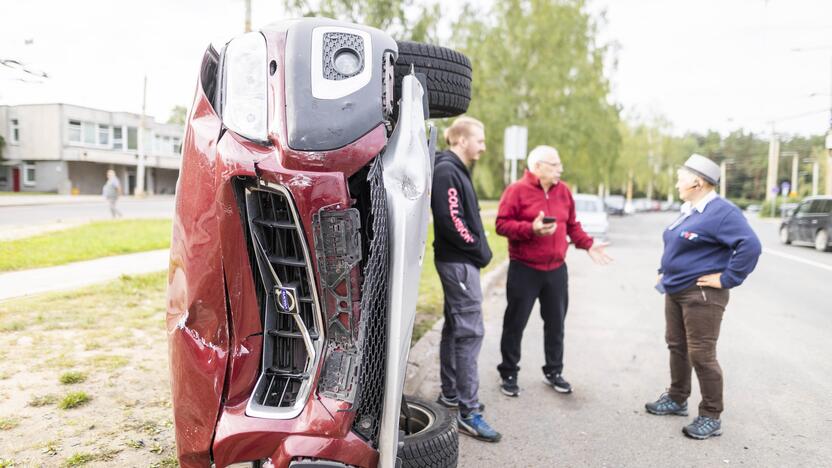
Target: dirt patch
{"points": [[119, 412]]}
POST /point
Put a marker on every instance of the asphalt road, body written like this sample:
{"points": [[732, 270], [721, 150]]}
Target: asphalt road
{"points": [[774, 349], [81, 211]]}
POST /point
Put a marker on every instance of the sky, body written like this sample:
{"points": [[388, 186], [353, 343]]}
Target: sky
{"points": [[701, 64]]}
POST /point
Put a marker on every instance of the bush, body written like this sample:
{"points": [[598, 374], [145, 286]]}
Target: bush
{"points": [[72, 377], [74, 400], [766, 210]]}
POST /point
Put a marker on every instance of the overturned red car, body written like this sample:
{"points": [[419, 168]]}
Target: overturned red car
{"points": [[301, 215]]}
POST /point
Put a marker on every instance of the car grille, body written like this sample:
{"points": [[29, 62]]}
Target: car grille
{"points": [[291, 323], [373, 335]]}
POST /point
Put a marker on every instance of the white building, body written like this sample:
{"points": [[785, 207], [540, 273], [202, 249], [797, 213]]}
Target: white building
{"points": [[67, 149]]}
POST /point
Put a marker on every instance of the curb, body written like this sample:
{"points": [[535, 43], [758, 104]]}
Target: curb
{"points": [[426, 350]]}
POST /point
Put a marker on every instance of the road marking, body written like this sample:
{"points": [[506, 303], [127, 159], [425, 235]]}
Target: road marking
{"points": [[797, 259]]}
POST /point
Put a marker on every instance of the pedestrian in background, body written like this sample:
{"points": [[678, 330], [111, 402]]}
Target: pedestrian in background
{"points": [[111, 192], [708, 250], [536, 213], [460, 251]]}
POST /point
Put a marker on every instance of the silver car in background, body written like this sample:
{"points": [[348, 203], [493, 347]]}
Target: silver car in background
{"points": [[590, 212]]}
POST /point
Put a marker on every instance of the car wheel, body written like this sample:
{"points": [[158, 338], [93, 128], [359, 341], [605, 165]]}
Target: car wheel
{"points": [[822, 241], [447, 72], [784, 235], [432, 439]]}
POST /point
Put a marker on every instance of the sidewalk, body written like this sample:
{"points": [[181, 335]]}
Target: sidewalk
{"points": [[31, 200], [75, 275]]}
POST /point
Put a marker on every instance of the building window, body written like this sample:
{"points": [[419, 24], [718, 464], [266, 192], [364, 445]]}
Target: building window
{"points": [[177, 146], [28, 174], [74, 132], [132, 138], [89, 133], [14, 130], [104, 135], [118, 141]]}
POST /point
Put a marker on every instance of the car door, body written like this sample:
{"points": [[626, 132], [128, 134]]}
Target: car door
{"points": [[800, 220], [813, 219]]}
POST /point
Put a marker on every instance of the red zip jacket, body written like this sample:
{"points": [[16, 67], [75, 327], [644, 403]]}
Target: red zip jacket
{"points": [[519, 206]]}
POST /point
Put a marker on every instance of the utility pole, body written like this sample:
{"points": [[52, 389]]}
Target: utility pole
{"points": [[795, 166], [773, 160], [829, 163], [248, 16], [815, 176], [139, 191]]}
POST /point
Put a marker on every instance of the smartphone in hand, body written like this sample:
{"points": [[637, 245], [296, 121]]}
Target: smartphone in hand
{"points": [[549, 219]]}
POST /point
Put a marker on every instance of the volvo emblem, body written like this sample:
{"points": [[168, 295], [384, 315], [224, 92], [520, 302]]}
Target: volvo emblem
{"points": [[286, 300]]}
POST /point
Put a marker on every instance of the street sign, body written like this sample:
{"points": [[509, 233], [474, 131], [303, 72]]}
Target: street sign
{"points": [[514, 140], [784, 188]]}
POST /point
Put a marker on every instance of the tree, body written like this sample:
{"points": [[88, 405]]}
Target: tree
{"points": [[178, 115], [403, 19], [2, 146], [539, 66]]}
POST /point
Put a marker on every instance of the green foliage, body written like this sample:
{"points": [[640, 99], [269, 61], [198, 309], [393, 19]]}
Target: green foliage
{"points": [[74, 400], [539, 66], [8, 423], [2, 146], [79, 459], [403, 19], [43, 400], [178, 115], [72, 377]]}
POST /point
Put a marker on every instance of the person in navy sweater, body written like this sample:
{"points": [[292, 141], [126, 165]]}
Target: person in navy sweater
{"points": [[536, 213], [708, 250]]}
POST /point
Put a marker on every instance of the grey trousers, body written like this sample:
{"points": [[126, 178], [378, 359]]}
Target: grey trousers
{"points": [[461, 334]]}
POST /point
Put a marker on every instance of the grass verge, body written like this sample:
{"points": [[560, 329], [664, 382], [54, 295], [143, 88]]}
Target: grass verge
{"points": [[94, 240]]}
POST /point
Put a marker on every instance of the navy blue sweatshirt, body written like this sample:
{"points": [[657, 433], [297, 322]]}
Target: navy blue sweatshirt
{"points": [[457, 227], [717, 240]]}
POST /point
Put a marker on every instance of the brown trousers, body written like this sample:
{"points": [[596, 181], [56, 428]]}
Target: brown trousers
{"points": [[693, 318]]}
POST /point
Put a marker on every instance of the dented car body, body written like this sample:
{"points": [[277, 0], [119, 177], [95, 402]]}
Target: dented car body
{"points": [[300, 227]]}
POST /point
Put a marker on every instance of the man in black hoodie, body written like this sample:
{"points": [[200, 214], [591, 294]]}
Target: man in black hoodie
{"points": [[460, 250]]}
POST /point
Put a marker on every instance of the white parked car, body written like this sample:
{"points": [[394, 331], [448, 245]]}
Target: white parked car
{"points": [[590, 212]]}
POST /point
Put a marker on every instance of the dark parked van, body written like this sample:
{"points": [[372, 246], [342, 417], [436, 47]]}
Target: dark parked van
{"points": [[811, 222]]}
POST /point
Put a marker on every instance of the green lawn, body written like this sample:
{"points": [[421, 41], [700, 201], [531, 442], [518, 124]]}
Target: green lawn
{"points": [[93, 240], [429, 307]]}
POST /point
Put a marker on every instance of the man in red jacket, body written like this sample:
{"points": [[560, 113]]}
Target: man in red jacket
{"points": [[536, 214]]}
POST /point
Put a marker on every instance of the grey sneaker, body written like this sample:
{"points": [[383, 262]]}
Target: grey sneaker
{"points": [[509, 386], [665, 406], [703, 427], [448, 402], [557, 382]]}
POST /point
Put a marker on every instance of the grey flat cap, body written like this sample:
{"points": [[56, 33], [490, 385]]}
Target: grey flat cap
{"points": [[703, 167]]}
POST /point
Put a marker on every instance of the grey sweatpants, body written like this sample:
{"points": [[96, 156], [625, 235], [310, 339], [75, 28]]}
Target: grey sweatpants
{"points": [[461, 334]]}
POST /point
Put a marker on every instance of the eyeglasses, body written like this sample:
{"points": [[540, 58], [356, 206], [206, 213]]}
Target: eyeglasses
{"points": [[557, 164]]}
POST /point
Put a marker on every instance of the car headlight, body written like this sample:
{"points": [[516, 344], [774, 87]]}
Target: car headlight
{"points": [[244, 100]]}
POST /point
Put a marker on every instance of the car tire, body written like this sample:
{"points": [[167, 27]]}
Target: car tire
{"points": [[434, 442], [447, 73], [822, 241], [784, 235]]}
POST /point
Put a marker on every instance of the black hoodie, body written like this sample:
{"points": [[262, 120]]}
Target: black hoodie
{"points": [[457, 226]]}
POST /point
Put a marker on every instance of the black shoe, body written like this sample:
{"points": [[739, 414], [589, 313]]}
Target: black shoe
{"points": [[703, 427], [557, 382], [509, 386], [665, 406], [452, 402]]}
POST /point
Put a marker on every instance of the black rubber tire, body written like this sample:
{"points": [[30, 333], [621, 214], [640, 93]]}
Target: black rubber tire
{"points": [[435, 443], [784, 235], [448, 75]]}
